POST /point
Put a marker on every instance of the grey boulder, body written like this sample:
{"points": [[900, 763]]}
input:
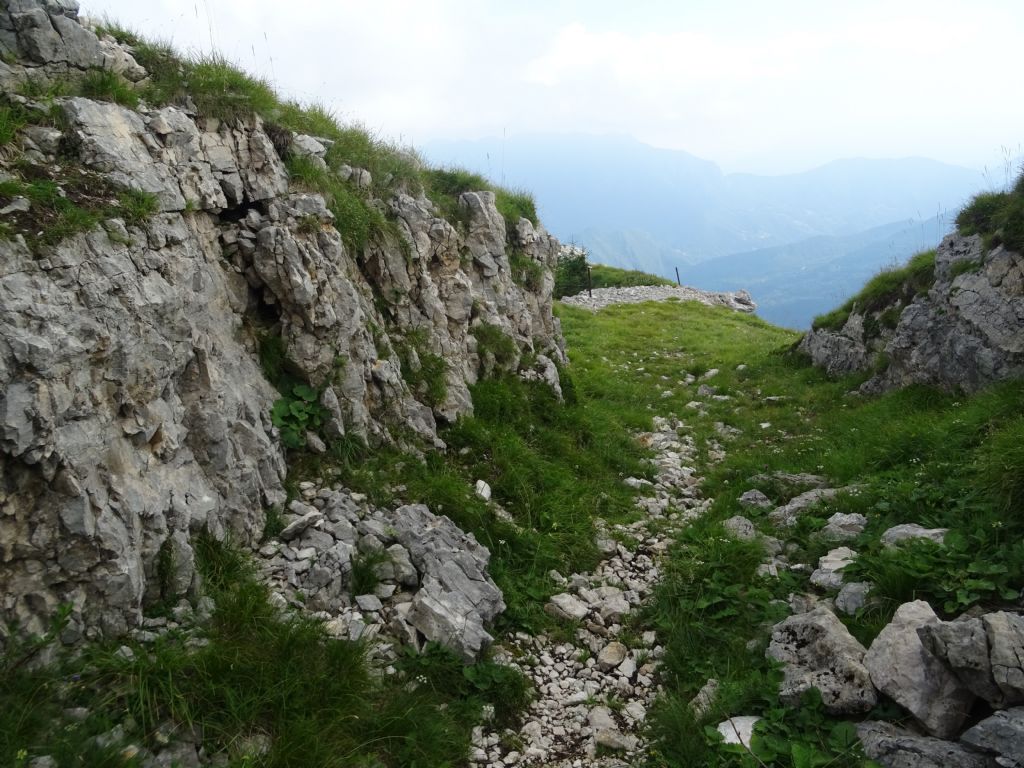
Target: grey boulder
{"points": [[896, 747], [909, 674], [818, 651], [1002, 734], [986, 654]]}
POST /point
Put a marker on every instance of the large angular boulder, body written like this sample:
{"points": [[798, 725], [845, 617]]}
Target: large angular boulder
{"points": [[1002, 734], [909, 674], [986, 654], [457, 597], [896, 747], [818, 651]]}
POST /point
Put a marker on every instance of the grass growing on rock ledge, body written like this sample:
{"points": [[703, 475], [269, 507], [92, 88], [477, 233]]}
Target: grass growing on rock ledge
{"points": [[220, 89], [898, 284]]}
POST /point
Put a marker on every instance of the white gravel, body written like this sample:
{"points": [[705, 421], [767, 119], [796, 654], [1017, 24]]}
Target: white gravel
{"points": [[604, 297]]}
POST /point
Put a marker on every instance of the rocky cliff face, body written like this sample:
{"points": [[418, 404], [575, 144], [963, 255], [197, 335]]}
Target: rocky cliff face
{"points": [[965, 333], [134, 412]]}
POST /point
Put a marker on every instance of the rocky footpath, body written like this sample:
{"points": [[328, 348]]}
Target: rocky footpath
{"points": [[960, 682], [964, 333], [600, 298], [592, 691], [134, 410]]}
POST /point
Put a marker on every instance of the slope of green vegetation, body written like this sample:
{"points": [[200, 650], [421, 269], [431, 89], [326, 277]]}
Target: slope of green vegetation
{"points": [[258, 687], [997, 216], [897, 285], [915, 456]]}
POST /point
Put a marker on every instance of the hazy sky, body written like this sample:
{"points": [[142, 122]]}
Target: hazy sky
{"points": [[753, 85]]}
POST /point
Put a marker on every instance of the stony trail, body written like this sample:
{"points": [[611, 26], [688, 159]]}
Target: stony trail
{"points": [[592, 693]]}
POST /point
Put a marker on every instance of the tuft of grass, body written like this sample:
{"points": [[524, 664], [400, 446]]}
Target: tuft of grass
{"points": [[424, 371], [364, 572], [224, 91], [444, 673], [444, 185], [1001, 466], [137, 205], [997, 216], [525, 271], [888, 287], [13, 118], [357, 220], [493, 341], [515, 204], [107, 85], [62, 206]]}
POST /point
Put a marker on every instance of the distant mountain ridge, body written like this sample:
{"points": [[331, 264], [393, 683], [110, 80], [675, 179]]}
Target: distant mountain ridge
{"points": [[641, 207], [793, 283]]}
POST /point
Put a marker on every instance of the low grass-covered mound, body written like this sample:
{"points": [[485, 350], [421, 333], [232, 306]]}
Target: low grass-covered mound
{"points": [[613, 277]]}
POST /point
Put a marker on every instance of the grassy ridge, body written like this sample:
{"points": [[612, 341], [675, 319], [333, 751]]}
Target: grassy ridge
{"points": [[221, 90]]}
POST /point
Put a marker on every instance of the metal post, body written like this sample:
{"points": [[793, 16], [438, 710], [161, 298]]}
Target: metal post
{"points": [[590, 283], [677, 277]]}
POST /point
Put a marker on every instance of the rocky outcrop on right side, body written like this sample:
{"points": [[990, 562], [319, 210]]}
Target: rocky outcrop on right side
{"points": [[965, 332]]}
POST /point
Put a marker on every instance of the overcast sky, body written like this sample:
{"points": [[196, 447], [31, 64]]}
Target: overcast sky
{"points": [[754, 86]]}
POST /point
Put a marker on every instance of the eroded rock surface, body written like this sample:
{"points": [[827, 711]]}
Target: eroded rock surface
{"points": [[965, 333], [819, 652], [896, 747], [986, 654], [134, 411]]}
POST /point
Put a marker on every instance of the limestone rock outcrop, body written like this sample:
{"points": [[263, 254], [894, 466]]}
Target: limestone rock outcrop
{"points": [[134, 412], [908, 673], [966, 332], [986, 654]]}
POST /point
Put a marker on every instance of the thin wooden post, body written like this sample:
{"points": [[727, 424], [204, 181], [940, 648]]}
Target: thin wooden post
{"points": [[677, 277], [590, 283]]}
